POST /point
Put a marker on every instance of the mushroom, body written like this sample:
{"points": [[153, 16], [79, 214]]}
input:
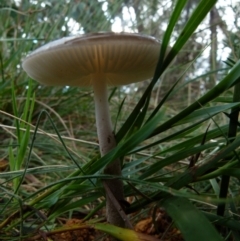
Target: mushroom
{"points": [[98, 60]]}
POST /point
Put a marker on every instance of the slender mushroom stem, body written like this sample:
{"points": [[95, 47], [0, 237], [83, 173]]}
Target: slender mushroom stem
{"points": [[107, 142], [103, 120]]}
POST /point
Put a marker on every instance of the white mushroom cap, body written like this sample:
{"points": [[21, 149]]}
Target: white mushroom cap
{"points": [[121, 58]]}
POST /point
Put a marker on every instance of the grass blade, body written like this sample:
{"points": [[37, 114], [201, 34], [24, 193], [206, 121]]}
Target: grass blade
{"points": [[193, 224]]}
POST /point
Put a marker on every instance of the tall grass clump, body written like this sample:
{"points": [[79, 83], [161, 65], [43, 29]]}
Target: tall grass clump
{"points": [[184, 161]]}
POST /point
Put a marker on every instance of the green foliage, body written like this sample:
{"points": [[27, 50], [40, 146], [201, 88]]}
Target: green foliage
{"points": [[23, 134], [170, 155], [192, 223]]}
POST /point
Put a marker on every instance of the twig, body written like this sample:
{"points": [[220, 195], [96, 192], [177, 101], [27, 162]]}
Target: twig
{"points": [[117, 206]]}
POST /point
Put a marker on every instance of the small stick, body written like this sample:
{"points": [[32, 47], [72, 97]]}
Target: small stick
{"points": [[117, 206]]}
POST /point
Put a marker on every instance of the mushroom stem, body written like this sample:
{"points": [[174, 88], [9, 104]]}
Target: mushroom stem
{"points": [[103, 120], [107, 142]]}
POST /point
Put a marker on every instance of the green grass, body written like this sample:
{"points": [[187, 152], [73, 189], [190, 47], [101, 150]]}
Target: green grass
{"points": [[173, 154]]}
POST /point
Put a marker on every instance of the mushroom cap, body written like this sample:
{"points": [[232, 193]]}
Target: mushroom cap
{"points": [[119, 58]]}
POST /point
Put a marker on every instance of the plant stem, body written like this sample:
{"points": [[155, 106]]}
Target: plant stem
{"points": [[232, 132], [107, 142]]}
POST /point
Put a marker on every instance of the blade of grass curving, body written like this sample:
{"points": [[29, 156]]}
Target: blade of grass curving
{"points": [[155, 111], [112, 94], [195, 158], [176, 135], [15, 111], [132, 117], [46, 191], [193, 225], [55, 188], [222, 170], [27, 116], [166, 38], [180, 155], [118, 114], [192, 174], [214, 185], [22, 136], [232, 78], [228, 222], [73, 205], [158, 71], [202, 76], [138, 120], [233, 125], [233, 172], [49, 195], [230, 62], [213, 134], [38, 170], [20, 209], [199, 14], [125, 146], [43, 112], [160, 192], [123, 234], [223, 99], [73, 191], [173, 89], [141, 194], [41, 196], [206, 113], [196, 18], [93, 211]]}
